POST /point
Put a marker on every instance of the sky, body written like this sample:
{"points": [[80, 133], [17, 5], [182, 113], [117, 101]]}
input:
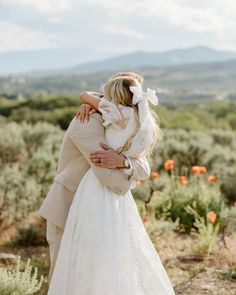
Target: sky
{"points": [[104, 28]]}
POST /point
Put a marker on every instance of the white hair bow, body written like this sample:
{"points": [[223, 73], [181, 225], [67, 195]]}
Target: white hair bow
{"points": [[139, 95], [143, 138], [142, 98]]}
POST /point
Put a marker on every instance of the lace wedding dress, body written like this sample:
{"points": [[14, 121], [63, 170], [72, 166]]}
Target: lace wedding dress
{"points": [[105, 249]]}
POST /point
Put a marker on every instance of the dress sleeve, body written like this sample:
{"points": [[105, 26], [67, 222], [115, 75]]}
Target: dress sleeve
{"points": [[112, 114]]}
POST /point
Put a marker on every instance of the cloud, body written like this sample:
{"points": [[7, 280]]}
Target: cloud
{"points": [[118, 26], [17, 38], [199, 16], [117, 29], [211, 22], [42, 6]]}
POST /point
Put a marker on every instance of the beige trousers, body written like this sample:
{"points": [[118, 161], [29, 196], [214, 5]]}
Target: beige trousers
{"points": [[54, 236]]}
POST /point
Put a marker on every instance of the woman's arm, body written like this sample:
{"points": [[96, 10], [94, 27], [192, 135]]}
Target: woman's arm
{"points": [[92, 98]]}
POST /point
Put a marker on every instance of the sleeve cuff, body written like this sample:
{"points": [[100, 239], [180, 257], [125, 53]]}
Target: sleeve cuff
{"points": [[129, 171]]}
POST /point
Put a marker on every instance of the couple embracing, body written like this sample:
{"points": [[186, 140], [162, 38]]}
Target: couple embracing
{"points": [[98, 244]]}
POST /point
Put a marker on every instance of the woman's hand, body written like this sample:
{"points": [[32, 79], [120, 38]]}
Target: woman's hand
{"points": [[84, 112]]}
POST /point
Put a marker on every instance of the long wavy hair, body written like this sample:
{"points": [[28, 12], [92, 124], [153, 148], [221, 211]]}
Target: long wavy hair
{"points": [[117, 89]]}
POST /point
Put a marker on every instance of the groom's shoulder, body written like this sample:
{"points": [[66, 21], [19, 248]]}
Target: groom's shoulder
{"points": [[95, 123]]}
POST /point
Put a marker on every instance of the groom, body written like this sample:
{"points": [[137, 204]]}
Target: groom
{"points": [[113, 170]]}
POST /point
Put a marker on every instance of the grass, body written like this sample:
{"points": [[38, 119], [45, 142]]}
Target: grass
{"points": [[190, 273]]}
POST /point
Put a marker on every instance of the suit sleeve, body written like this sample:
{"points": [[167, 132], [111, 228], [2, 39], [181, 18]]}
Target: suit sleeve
{"points": [[87, 138]]}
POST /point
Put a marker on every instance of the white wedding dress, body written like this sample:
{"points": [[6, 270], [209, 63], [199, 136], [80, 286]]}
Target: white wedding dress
{"points": [[105, 249]]}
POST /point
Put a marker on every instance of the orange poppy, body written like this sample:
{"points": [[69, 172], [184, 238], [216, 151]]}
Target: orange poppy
{"points": [[195, 169], [169, 164], [199, 169], [212, 216], [203, 169], [183, 179], [155, 175], [145, 218], [212, 178], [138, 182]]}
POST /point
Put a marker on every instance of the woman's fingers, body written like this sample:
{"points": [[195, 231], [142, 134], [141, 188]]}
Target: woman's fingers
{"points": [[87, 113], [79, 112], [82, 116], [84, 112]]}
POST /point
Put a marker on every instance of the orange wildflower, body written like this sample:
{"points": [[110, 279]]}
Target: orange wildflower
{"points": [[212, 216], [212, 178], [155, 175], [145, 218], [138, 182], [183, 179], [203, 169], [169, 164], [196, 169], [199, 169]]}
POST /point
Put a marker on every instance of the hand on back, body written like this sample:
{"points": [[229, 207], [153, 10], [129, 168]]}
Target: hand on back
{"points": [[84, 112]]}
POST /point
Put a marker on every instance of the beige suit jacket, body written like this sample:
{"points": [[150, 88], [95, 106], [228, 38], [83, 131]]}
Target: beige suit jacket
{"points": [[78, 142]]}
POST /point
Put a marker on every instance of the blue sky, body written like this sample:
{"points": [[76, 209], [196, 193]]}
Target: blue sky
{"points": [[103, 28]]}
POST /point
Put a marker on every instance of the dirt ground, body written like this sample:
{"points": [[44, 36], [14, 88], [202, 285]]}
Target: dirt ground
{"points": [[196, 274], [190, 273]]}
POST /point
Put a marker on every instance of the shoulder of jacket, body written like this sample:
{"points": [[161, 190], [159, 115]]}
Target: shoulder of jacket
{"points": [[95, 123]]}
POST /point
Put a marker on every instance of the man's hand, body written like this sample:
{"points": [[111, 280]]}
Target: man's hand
{"points": [[84, 112], [107, 158]]}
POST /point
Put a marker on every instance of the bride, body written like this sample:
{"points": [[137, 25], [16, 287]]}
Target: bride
{"points": [[105, 249]]}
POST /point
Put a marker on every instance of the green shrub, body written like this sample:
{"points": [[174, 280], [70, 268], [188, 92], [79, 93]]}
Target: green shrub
{"points": [[28, 163], [59, 116], [17, 282], [214, 149], [228, 220], [228, 187], [205, 231], [198, 194], [29, 236]]}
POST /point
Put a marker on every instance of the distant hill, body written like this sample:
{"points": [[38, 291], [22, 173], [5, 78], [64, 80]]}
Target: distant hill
{"points": [[52, 62], [204, 81], [144, 59]]}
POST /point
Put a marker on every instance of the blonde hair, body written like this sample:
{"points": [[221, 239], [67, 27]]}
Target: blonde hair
{"points": [[117, 89], [134, 75]]}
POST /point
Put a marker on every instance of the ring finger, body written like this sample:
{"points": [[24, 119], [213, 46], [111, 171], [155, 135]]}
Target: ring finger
{"points": [[87, 114], [82, 115]]}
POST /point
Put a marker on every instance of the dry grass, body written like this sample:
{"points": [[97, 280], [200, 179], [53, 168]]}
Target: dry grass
{"points": [[191, 273]]}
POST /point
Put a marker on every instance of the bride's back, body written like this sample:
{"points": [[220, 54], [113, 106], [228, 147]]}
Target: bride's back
{"points": [[117, 136]]}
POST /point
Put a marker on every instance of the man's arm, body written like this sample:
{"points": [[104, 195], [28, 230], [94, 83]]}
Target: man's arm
{"points": [[87, 138], [138, 168]]}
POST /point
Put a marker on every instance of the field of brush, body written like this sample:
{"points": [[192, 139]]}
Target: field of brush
{"points": [[188, 205]]}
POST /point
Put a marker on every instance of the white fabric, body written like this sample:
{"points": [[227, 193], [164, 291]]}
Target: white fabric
{"points": [[105, 249], [142, 98], [116, 136], [110, 112], [130, 173], [143, 138]]}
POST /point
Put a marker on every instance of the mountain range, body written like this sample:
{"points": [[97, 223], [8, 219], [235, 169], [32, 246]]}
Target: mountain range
{"points": [[144, 59], [54, 62], [201, 82]]}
